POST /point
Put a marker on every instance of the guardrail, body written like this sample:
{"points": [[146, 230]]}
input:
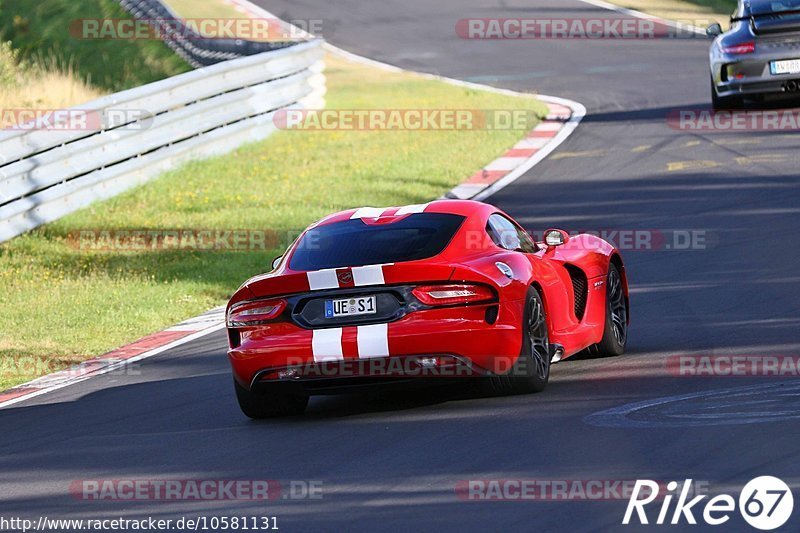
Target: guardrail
{"points": [[194, 48], [47, 173]]}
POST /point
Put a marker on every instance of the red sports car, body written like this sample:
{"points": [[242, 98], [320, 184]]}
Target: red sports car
{"points": [[447, 288]]}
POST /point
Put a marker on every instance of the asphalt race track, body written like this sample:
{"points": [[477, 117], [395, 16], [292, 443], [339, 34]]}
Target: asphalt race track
{"points": [[392, 461]]}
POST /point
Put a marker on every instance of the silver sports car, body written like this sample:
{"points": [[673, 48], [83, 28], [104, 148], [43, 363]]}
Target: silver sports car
{"points": [[759, 57]]}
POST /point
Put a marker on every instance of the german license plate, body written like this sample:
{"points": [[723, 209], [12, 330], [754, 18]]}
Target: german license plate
{"points": [[363, 305], [788, 66]]}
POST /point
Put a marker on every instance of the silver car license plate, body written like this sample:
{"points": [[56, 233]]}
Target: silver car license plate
{"points": [[362, 305], [787, 66]]}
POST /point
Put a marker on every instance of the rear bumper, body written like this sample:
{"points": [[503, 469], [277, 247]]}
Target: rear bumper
{"points": [[436, 343], [760, 87], [354, 375], [752, 78]]}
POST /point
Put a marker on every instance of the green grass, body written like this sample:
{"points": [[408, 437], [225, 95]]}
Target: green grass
{"points": [[61, 305], [40, 30], [724, 7], [204, 9]]}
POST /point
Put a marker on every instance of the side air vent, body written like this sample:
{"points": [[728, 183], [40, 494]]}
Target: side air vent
{"points": [[580, 286]]}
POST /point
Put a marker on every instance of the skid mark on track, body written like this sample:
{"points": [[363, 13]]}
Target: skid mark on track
{"points": [[758, 404]]}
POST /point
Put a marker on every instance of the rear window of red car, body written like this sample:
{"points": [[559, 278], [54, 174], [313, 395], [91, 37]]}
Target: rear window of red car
{"points": [[355, 243]]}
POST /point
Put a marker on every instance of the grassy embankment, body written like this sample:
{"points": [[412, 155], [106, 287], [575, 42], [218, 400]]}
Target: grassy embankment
{"points": [[44, 33]]}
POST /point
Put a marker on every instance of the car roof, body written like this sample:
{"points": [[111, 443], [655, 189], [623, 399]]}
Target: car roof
{"points": [[466, 208], [761, 5]]}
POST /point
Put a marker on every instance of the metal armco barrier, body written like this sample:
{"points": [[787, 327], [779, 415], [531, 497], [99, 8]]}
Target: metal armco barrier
{"points": [[195, 49], [127, 138]]}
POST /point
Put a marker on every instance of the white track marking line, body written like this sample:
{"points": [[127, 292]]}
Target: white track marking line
{"points": [[114, 366], [532, 143], [578, 113], [548, 126], [578, 110], [645, 16]]}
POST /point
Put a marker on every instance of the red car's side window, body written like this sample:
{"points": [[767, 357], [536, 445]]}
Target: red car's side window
{"points": [[505, 234]]}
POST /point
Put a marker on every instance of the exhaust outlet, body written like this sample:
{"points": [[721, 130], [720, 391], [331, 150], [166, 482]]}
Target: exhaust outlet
{"points": [[557, 352], [790, 86]]}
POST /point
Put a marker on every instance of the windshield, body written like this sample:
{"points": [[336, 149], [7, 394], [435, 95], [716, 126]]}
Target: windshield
{"points": [[768, 7], [356, 243]]}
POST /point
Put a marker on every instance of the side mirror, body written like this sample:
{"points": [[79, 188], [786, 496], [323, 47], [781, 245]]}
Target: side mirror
{"points": [[276, 262], [555, 237], [714, 30]]}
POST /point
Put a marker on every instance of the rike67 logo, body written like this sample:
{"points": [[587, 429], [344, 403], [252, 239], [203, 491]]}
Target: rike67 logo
{"points": [[765, 503]]}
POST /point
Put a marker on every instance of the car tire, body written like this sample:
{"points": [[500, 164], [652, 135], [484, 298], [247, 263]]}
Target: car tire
{"points": [[615, 332], [269, 403], [531, 371], [722, 103]]}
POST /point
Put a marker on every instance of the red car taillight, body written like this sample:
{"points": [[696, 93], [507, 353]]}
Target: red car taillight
{"points": [[740, 49], [253, 313], [453, 294]]}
